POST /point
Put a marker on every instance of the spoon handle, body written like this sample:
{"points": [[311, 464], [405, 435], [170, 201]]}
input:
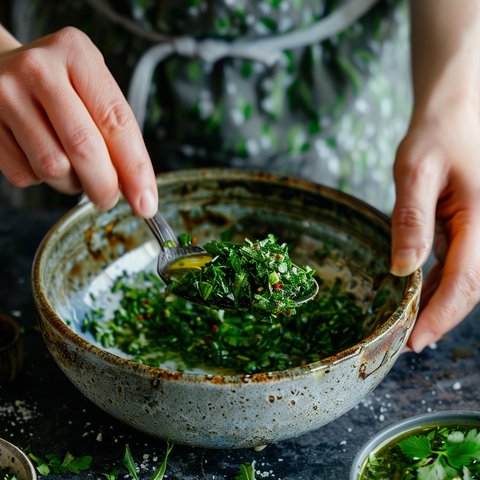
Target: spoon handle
{"points": [[161, 229]]}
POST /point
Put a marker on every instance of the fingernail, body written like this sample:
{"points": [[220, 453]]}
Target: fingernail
{"points": [[422, 340], [404, 262], [148, 204]]}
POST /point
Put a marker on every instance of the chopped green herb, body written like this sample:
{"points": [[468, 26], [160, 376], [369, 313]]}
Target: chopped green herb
{"points": [[247, 471], [258, 277], [5, 474], [185, 240], [159, 472], [158, 329], [169, 244], [433, 453], [69, 464], [111, 476]]}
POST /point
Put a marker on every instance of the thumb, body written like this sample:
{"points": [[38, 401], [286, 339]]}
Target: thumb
{"points": [[417, 180]]}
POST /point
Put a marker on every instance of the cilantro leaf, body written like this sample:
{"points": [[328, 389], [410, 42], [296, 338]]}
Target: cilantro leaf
{"points": [[438, 470], [416, 447], [460, 454]]}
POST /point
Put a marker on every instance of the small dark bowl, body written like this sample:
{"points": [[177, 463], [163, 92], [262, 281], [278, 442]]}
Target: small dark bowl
{"points": [[11, 349], [16, 461], [398, 429]]}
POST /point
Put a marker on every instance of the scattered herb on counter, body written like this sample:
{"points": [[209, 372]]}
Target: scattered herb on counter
{"points": [[112, 475], [158, 329], [159, 472], [5, 474], [247, 471], [69, 464], [258, 277], [437, 453]]}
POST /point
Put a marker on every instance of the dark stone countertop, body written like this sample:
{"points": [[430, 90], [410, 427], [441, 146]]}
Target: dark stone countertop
{"points": [[43, 410]]}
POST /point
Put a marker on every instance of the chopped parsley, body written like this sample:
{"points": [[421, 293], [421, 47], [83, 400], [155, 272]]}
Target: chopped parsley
{"points": [[158, 329], [257, 277], [436, 453], [52, 463]]}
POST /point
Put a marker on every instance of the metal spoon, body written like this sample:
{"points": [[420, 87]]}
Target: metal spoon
{"points": [[176, 261]]}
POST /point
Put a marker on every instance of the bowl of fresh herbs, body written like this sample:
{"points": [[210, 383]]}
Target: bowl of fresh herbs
{"points": [[434, 446], [226, 378], [14, 463]]}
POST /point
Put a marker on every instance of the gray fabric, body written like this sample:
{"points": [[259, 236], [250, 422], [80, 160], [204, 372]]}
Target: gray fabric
{"points": [[332, 112]]}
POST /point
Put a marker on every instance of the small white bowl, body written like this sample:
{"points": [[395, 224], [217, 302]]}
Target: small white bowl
{"points": [[13, 458], [385, 436]]}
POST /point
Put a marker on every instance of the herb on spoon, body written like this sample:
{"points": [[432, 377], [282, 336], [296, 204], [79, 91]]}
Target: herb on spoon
{"points": [[258, 277], [437, 453]]}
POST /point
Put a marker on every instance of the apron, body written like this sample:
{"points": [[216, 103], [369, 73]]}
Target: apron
{"points": [[318, 89]]}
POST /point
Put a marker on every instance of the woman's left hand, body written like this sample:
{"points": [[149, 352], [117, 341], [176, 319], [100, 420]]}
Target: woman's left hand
{"points": [[437, 169]]}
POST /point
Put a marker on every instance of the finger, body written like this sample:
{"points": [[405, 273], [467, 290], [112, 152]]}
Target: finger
{"points": [[458, 290], [418, 183], [82, 142], [116, 122], [431, 284], [13, 162], [36, 138]]}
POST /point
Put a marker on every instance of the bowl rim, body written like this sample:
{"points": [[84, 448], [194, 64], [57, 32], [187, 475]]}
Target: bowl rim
{"points": [[387, 434], [43, 306], [22, 457], [16, 335]]}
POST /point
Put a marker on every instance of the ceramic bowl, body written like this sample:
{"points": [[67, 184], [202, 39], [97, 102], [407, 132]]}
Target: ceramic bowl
{"points": [[86, 250], [16, 461], [11, 349], [446, 418]]}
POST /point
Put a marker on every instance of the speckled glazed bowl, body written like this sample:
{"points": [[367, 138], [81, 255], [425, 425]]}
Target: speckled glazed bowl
{"points": [[86, 250], [16, 461], [11, 349], [447, 418]]}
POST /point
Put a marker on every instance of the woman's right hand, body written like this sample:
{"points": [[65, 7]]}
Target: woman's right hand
{"points": [[64, 121]]}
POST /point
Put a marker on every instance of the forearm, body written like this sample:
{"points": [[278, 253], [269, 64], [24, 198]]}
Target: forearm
{"points": [[7, 41], [445, 51]]}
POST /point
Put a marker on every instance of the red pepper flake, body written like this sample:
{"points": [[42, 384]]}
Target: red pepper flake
{"points": [[287, 312], [236, 286], [148, 315], [278, 255], [140, 317], [147, 301], [278, 286], [277, 304], [214, 329], [255, 246]]}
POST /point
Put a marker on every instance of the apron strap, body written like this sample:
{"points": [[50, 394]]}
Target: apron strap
{"points": [[264, 49]]}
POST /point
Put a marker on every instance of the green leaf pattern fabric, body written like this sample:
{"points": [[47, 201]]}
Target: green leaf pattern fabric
{"points": [[333, 112]]}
